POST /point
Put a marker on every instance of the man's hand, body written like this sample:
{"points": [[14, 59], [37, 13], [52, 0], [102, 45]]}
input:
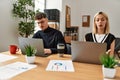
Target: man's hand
{"points": [[47, 51]]}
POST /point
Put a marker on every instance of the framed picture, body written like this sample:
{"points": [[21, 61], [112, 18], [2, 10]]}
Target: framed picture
{"points": [[68, 17], [86, 20]]}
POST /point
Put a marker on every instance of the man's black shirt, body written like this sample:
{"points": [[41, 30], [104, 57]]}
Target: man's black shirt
{"points": [[51, 37]]}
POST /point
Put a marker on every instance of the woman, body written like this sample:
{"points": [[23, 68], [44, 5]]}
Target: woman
{"points": [[100, 32]]}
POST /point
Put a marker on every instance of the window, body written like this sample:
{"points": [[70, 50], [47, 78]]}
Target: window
{"points": [[39, 5]]}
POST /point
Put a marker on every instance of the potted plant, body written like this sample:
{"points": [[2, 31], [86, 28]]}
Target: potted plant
{"points": [[108, 65], [24, 10], [30, 53]]}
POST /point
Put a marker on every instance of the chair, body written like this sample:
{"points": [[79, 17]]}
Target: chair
{"points": [[117, 47], [68, 48]]}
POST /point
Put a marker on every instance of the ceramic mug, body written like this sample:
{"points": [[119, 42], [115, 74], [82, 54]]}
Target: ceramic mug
{"points": [[13, 49]]}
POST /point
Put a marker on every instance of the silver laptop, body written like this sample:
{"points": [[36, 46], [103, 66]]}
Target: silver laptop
{"points": [[36, 43], [87, 52]]}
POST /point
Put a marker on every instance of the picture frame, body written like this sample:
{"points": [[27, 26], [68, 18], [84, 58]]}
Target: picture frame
{"points": [[68, 17], [85, 20]]}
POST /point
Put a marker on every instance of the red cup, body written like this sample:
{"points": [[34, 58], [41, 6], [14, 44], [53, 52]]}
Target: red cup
{"points": [[13, 49]]}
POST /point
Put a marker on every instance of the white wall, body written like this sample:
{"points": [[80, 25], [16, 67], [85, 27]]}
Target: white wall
{"points": [[8, 29], [54, 4]]}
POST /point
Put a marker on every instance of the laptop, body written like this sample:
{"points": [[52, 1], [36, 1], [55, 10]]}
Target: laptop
{"points": [[87, 52], [36, 43]]}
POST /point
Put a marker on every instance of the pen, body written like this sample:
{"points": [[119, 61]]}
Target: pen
{"points": [[66, 68]]}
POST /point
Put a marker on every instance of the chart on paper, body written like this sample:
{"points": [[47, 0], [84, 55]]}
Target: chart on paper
{"points": [[60, 65]]}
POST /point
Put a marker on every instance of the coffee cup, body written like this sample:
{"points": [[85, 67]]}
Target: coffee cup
{"points": [[61, 49], [13, 49]]}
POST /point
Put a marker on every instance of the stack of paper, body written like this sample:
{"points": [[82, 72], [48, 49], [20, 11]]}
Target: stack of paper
{"points": [[4, 57], [11, 70]]}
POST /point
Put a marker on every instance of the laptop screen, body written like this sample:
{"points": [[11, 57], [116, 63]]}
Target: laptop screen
{"points": [[36, 43], [87, 52]]}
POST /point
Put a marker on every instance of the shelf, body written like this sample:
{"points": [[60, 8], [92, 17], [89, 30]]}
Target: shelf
{"points": [[71, 33]]}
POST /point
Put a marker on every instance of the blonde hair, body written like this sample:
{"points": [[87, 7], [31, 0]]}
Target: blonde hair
{"points": [[107, 27]]}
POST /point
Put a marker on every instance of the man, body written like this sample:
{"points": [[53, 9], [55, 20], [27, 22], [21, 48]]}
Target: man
{"points": [[51, 37]]}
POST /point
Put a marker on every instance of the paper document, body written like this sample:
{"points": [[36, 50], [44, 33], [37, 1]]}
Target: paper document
{"points": [[13, 69], [4, 57], [60, 65]]}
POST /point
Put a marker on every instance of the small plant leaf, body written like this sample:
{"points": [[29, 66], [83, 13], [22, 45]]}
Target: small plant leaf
{"points": [[29, 50], [108, 61]]}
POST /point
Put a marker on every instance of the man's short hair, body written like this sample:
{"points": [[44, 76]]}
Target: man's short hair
{"points": [[40, 15]]}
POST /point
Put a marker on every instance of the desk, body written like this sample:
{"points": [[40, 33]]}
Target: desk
{"points": [[83, 71]]}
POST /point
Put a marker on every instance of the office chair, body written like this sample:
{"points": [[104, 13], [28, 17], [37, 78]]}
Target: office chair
{"points": [[117, 47], [68, 48]]}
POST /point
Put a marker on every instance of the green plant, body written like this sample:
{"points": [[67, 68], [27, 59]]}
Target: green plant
{"points": [[24, 9], [108, 61], [30, 51]]}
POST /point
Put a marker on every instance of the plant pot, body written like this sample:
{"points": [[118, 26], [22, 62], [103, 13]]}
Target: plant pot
{"points": [[108, 72], [30, 59]]}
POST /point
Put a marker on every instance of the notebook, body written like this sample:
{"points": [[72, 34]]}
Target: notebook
{"points": [[36, 43], [87, 52]]}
